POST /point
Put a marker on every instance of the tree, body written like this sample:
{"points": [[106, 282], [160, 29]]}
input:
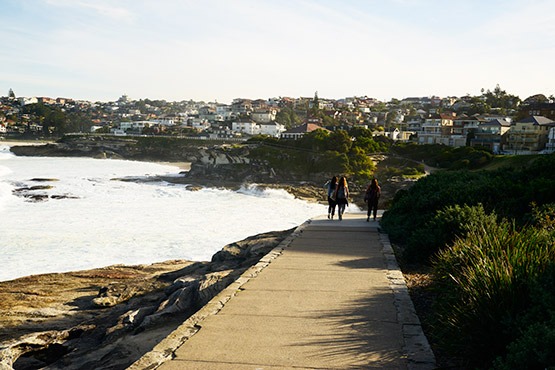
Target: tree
{"points": [[315, 104], [11, 94], [339, 141], [358, 132], [390, 117], [315, 140]]}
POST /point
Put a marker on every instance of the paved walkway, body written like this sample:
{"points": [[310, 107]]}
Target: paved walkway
{"points": [[325, 303]]}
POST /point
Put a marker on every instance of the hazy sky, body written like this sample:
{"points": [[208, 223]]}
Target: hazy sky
{"points": [[221, 49]]}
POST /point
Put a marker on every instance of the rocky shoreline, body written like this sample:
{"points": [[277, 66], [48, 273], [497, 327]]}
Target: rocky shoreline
{"points": [[109, 317]]}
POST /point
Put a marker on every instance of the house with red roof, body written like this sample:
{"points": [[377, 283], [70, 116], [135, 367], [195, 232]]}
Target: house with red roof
{"points": [[312, 124]]}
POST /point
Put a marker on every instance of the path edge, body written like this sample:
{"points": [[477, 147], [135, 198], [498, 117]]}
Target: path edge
{"points": [[419, 353], [165, 349]]}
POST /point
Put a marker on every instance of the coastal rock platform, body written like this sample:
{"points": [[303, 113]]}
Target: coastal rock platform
{"points": [[107, 318]]}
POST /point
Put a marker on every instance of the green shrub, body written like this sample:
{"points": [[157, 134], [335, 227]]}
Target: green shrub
{"points": [[443, 156], [534, 345], [486, 282], [448, 224], [507, 192]]}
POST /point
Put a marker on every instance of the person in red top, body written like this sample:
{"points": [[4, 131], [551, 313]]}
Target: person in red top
{"points": [[373, 193]]}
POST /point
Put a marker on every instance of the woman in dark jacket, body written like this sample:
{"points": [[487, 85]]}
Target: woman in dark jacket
{"points": [[330, 186], [373, 193], [341, 196]]}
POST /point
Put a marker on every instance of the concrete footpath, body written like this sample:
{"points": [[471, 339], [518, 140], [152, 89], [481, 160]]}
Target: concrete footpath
{"points": [[333, 299]]}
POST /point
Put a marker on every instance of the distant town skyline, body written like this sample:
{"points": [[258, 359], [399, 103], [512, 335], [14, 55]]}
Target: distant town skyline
{"points": [[216, 51]]}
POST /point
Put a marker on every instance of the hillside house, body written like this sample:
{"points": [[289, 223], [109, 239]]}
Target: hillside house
{"points": [[529, 135], [272, 129], [297, 132], [539, 109], [491, 134], [436, 129], [245, 126], [264, 116], [550, 145]]}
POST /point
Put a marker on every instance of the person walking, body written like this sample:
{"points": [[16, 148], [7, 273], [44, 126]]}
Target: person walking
{"points": [[373, 193], [330, 186], [341, 196]]}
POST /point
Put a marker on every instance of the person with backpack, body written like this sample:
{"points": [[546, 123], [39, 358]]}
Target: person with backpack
{"points": [[373, 193], [341, 196], [330, 186]]}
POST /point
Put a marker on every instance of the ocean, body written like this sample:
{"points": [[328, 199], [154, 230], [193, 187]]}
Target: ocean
{"points": [[98, 220]]}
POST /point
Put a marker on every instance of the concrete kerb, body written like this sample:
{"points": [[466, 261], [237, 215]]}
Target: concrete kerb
{"points": [[164, 350], [419, 352]]}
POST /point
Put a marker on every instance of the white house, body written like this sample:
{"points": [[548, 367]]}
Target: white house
{"points": [[224, 111], [245, 126], [3, 128], [165, 122], [136, 126], [24, 101], [199, 123], [272, 128]]}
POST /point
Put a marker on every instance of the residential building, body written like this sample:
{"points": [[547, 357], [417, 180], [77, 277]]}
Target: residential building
{"points": [[221, 132], [550, 145], [3, 128], [134, 127], [529, 135], [538, 109], [224, 111], [312, 124], [410, 101], [241, 106], [272, 129], [245, 126], [436, 129], [491, 134], [199, 123], [25, 101], [414, 123], [460, 105], [435, 100], [45, 100], [264, 116]]}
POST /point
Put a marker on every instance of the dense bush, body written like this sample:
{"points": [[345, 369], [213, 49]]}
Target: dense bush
{"points": [[447, 224], [443, 156], [507, 192], [489, 284], [494, 279]]}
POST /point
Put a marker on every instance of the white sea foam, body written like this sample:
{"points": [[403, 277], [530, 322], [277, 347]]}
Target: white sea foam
{"points": [[113, 221]]}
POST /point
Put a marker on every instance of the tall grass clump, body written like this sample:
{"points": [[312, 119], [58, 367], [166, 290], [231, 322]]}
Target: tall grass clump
{"points": [[488, 283]]}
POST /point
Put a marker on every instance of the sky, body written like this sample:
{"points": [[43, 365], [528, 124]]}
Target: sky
{"points": [[218, 50]]}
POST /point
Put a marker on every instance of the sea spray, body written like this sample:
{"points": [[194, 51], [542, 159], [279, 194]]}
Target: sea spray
{"points": [[105, 221], [5, 189]]}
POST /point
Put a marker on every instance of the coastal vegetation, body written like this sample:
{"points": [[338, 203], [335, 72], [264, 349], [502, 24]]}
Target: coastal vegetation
{"points": [[488, 238], [338, 152], [443, 156]]}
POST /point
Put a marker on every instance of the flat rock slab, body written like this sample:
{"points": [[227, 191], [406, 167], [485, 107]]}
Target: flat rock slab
{"points": [[325, 303]]}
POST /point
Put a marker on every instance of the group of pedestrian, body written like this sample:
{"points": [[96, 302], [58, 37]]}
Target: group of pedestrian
{"points": [[338, 195]]}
